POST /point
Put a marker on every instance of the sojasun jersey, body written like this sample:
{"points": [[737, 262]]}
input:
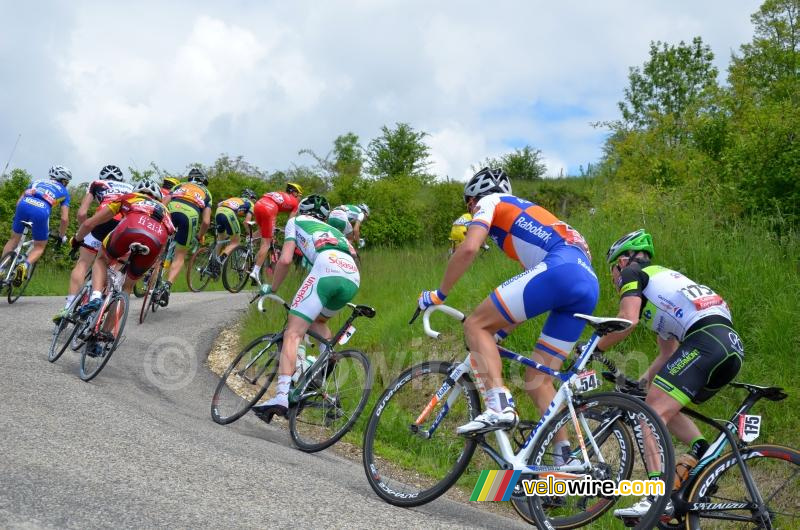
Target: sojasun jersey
{"points": [[314, 237]]}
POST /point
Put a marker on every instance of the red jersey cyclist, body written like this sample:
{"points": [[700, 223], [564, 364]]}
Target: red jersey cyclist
{"points": [[266, 211]]}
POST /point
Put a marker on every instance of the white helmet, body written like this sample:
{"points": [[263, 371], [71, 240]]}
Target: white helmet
{"points": [[61, 174], [149, 187], [487, 181], [111, 172], [364, 208]]}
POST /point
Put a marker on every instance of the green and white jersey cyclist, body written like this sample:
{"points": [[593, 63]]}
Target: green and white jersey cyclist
{"points": [[347, 218], [332, 282]]}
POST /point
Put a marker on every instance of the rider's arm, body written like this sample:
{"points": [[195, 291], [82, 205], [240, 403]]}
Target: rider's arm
{"points": [[287, 253], [629, 308], [666, 347], [62, 229], [83, 209], [100, 216], [463, 257]]}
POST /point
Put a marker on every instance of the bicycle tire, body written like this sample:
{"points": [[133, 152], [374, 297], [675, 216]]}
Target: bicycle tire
{"points": [[152, 283], [67, 328], [634, 409], [397, 416], [239, 263], [201, 258], [6, 262], [725, 469], [21, 288], [326, 394], [233, 384], [614, 431], [87, 370]]}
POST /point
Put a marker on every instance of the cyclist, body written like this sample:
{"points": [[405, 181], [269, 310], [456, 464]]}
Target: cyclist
{"points": [[266, 210], [348, 218], [332, 282], [167, 185], [226, 218], [558, 278], [107, 188], [189, 205], [35, 205], [699, 351]]}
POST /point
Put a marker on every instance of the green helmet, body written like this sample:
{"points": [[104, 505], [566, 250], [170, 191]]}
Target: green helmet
{"points": [[639, 240], [315, 206]]}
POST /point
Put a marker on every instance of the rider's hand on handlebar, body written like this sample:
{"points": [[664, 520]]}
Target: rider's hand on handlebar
{"points": [[429, 298], [74, 243]]}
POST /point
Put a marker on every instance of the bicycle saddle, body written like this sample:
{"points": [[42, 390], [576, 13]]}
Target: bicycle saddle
{"points": [[772, 393], [28, 224], [251, 223], [364, 311], [604, 326]]}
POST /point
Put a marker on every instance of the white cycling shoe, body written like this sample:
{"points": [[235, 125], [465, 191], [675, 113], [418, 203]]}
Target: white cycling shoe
{"points": [[491, 421], [640, 509]]}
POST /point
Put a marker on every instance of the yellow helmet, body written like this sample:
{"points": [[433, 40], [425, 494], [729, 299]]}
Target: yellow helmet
{"points": [[170, 182], [294, 186]]}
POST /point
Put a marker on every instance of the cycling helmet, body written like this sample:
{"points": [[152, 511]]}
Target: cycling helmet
{"points": [[294, 186], [111, 172], [249, 194], [61, 174], [315, 206], [636, 241], [198, 175], [364, 208], [148, 187], [485, 182], [170, 182]]}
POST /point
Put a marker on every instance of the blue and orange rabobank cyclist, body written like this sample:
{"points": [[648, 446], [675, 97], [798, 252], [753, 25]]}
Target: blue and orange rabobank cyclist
{"points": [[35, 206], [558, 278]]}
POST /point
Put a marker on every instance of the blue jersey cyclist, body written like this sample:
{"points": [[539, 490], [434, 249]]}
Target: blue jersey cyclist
{"points": [[35, 205], [558, 278]]}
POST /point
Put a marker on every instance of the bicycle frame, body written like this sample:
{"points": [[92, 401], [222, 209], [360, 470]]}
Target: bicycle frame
{"points": [[21, 252]]}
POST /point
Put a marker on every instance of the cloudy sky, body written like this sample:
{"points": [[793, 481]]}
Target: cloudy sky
{"points": [[87, 83]]}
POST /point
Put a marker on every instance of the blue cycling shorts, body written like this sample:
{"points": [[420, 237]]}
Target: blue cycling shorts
{"points": [[36, 211], [563, 283]]}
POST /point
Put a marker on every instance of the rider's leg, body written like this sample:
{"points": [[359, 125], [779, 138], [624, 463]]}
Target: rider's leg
{"points": [[78, 274], [235, 239], [12, 242], [36, 252], [177, 263]]}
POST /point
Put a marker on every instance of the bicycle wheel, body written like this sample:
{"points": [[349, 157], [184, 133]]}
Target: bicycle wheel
{"points": [[6, 263], [64, 331], [198, 271], [776, 473], [247, 378], [152, 284], [330, 399], [409, 463], [15, 291], [616, 446], [639, 419], [111, 324], [236, 268]]}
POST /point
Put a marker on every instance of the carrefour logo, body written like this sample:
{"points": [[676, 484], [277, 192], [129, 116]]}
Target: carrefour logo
{"points": [[533, 228]]}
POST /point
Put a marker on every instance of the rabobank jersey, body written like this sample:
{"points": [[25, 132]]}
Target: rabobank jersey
{"points": [[53, 193], [105, 191], [313, 236], [525, 231], [671, 301]]}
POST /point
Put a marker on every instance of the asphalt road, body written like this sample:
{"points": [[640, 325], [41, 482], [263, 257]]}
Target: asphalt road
{"points": [[136, 447]]}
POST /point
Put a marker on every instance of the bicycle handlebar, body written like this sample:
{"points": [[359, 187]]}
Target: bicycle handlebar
{"points": [[271, 296], [426, 317]]}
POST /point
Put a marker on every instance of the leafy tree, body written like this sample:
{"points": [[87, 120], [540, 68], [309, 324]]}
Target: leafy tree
{"points": [[348, 155], [399, 151], [672, 79], [521, 164]]}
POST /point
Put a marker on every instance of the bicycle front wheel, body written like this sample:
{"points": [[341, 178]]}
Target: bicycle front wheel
{"points": [[236, 269], [65, 330], [330, 398], [776, 473], [246, 379], [649, 434], [412, 453], [198, 271], [106, 338]]}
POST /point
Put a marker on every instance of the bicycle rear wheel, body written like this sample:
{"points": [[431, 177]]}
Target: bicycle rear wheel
{"points": [[247, 379], [638, 419], [407, 461], [236, 269], [331, 397], [152, 284], [65, 331], [15, 291], [198, 271], [776, 473], [111, 324]]}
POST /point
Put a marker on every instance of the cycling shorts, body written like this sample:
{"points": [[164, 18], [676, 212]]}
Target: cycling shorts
{"points": [[150, 233], [226, 221], [338, 219], [563, 284], [186, 219], [707, 360], [94, 239], [332, 282], [266, 211], [35, 211]]}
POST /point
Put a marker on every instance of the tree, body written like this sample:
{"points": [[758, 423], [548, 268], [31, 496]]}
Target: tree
{"points": [[668, 83], [397, 152], [522, 164], [348, 155]]}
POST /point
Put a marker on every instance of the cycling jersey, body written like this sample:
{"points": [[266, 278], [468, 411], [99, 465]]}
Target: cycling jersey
{"points": [[268, 207], [313, 236], [286, 201], [239, 205], [523, 230], [353, 212], [36, 205], [140, 204], [105, 191], [671, 302], [50, 191], [338, 219], [191, 193]]}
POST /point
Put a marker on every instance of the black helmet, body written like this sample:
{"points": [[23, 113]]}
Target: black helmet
{"points": [[485, 182], [248, 194], [111, 172], [197, 175], [315, 206]]}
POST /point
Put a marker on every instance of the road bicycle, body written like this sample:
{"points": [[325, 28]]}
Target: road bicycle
{"points": [[13, 259], [155, 284], [326, 400], [68, 331], [242, 259], [415, 419], [205, 264], [749, 486]]}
